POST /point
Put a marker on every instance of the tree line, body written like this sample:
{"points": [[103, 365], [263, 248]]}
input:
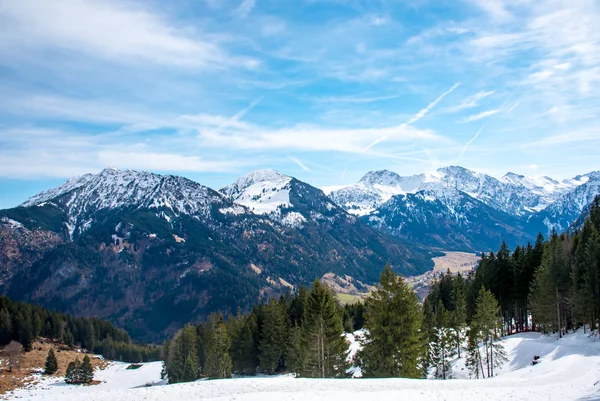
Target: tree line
{"points": [[303, 333], [552, 286], [24, 323]]}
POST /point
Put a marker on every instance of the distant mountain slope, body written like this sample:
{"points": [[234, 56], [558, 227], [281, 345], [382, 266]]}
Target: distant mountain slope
{"points": [[513, 194], [449, 220], [517, 207], [564, 212], [151, 252]]}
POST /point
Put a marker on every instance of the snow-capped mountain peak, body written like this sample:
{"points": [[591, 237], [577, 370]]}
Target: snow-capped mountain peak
{"points": [[262, 191], [112, 189], [381, 177]]}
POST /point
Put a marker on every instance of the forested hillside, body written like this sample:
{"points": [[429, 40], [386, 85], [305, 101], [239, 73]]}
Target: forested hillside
{"points": [[25, 323]]}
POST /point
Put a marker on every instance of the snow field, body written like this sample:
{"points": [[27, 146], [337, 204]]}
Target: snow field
{"points": [[569, 369]]}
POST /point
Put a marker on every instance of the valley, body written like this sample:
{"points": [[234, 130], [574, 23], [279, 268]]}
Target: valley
{"points": [[128, 245]]}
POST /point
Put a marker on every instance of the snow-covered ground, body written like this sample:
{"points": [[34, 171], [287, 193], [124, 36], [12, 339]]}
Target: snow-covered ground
{"points": [[569, 369]]}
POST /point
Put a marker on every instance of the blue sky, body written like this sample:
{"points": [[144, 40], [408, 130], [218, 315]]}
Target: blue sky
{"points": [[324, 90]]}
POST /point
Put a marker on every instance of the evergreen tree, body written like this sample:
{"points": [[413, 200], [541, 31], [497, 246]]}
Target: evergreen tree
{"points": [[474, 359], [51, 363], [294, 357], [218, 361], [80, 373], [486, 326], [5, 327], [274, 337], [73, 372], [243, 348], [458, 317], [394, 345], [323, 349], [551, 285], [182, 349], [87, 372], [442, 347]]}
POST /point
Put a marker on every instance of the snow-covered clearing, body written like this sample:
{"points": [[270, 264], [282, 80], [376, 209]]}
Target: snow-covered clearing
{"points": [[569, 369]]}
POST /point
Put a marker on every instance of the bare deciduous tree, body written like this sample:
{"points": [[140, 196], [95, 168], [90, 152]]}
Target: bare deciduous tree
{"points": [[13, 353]]}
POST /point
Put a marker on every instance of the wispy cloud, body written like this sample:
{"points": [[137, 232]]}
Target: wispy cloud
{"points": [[422, 113], [355, 99], [470, 101], [300, 164], [483, 114], [245, 8], [112, 30]]}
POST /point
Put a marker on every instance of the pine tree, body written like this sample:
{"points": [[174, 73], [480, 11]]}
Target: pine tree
{"points": [[274, 337], [394, 345], [218, 361], [458, 317], [294, 357], [182, 349], [474, 359], [87, 371], [551, 287], [80, 373], [5, 327], [243, 348], [51, 363], [486, 326], [442, 347], [323, 348], [73, 372]]}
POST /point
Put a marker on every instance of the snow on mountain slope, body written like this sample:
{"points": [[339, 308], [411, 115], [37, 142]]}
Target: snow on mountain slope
{"points": [[285, 199], [262, 191], [514, 194], [112, 188], [447, 218], [568, 207], [569, 369]]}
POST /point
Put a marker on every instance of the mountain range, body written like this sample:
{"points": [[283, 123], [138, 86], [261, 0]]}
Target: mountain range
{"points": [[151, 252], [459, 209]]}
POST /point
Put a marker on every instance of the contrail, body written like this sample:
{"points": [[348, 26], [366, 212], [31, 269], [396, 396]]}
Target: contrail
{"points": [[300, 164], [468, 143], [512, 108], [417, 116]]}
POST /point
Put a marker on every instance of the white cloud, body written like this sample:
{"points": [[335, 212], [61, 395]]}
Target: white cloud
{"points": [[416, 117], [483, 114], [314, 138], [495, 8], [245, 8], [470, 101], [379, 21], [355, 99], [31, 153], [112, 30]]}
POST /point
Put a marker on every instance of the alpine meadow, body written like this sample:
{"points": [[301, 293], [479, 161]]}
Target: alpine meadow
{"points": [[299, 200]]}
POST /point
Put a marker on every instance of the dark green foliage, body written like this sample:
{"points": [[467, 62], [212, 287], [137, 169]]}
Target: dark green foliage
{"points": [[274, 337], [51, 363], [243, 350], [485, 328], [395, 344], [5, 327], [218, 360], [25, 323], [442, 348], [323, 349], [354, 317], [181, 356], [80, 372]]}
